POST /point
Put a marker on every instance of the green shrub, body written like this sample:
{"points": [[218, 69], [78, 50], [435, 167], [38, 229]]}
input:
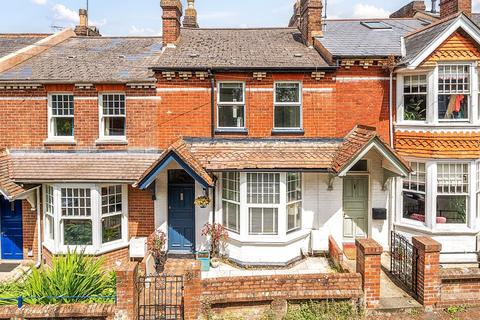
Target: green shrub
{"points": [[71, 275], [324, 310], [9, 291]]}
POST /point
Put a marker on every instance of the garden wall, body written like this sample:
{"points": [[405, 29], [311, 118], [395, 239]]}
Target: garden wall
{"points": [[65, 311], [460, 286]]}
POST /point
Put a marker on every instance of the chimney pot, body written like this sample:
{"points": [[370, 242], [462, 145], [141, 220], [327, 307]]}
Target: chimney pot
{"points": [[450, 7], [83, 18], [172, 13]]}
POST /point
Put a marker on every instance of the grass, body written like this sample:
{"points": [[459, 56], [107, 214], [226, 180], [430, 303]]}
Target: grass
{"points": [[324, 310], [71, 275], [454, 310]]}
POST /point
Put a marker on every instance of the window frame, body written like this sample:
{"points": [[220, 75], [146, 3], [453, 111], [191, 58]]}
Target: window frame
{"points": [[470, 94], [271, 205], [102, 117], [426, 94], [410, 190], [224, 199], [295, 202], [288, 104], [230, 104], [51, 117], [57, 245]]}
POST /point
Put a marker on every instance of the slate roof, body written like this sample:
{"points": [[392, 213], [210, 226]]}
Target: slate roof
{"points": [[239, 49], [37, 167], [91, 60], [349, 38], [417, 41], [9, 43]]}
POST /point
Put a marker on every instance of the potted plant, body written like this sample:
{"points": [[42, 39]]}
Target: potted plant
{"points": [[218, 236], [156, 247], [202, 201]]}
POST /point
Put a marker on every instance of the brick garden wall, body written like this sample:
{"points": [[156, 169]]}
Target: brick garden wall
{"points": [[460, 286], [289, 287], [70, 311]]}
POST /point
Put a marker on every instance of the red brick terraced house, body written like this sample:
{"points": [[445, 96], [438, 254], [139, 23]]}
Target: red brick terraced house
{"points": [[349, 128]]}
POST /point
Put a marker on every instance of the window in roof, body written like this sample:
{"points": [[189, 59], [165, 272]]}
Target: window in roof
{"points": [[376, 25]]}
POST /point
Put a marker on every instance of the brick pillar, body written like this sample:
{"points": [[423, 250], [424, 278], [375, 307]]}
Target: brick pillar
{"points": [[369, 266], [127, 291], [428, 271], [192, 291]]}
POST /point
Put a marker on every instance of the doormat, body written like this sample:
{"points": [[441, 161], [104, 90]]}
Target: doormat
{"points": [[350, 251], [8, 267]]}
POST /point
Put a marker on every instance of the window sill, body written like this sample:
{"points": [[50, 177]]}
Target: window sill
{"points": [[107, 141], [433, 126], [59, 141], [446, 230], [90, 250], [231, 131], [288, 131]]}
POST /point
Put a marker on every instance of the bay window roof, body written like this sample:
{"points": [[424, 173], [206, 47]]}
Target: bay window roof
{"points": [[8, 188], [201, 156], [29, 167]]}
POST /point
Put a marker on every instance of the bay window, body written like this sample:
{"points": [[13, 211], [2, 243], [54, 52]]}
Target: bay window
{"points": [[454, 92], [288, 105], [231, 105], [415, 97], [92, 217], [452, 192], [262, 204], [414, 193], [112, 116]]}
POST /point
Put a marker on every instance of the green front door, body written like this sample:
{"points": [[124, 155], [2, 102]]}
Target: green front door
{"points": [[355, 207]]}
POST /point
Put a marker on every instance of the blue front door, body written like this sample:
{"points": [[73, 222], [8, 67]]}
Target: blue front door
{"points": [[181, 216], [11, 229]]}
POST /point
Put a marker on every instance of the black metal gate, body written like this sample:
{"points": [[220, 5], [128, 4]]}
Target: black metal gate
{"points": [[160, 297], [404, 262]]}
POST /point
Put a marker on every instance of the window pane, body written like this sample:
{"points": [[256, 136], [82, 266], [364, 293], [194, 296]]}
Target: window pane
{"points": [[113, 104], [263, 221], [231, 116], [231, 186], [50, 228], [453, 106], [231, 92], [75, 202], [62, 105], [287, 92], [294, 186], [451, 209], [287, 117], [360, 166], [77, 232], [454, 79], [415, 107], [414, 206], [231, 216], [111, 228], [114, 126], [417, 179], [49, 199], [63, 127], [452, 178], [112, 200], [294, 216], [263, 188]]}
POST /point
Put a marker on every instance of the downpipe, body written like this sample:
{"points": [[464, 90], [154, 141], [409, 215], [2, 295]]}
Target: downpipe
{"points": [[39, 231]]}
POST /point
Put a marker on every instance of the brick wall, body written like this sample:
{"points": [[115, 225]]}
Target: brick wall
{"points": [[449, 7], [332, 106], [141, 216], [369, 266], [428, 271], [24, 121], [66, 311], [460, 286], [290, 287], [30, 231], [336, 254]]}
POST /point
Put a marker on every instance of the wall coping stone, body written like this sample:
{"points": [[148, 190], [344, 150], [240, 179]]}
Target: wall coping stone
{"points": [[369, 246], [426, 244], [459, 274]]}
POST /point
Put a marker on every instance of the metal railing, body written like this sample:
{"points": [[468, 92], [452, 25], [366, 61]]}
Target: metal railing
{"points": [[403, 261]]}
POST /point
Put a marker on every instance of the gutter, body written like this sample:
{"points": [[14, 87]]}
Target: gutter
{"points": [[244, 69], [390, 109], [212, 103]]}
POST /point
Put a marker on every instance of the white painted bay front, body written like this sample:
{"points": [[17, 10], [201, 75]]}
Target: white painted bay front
{"points": [[276, 217]]}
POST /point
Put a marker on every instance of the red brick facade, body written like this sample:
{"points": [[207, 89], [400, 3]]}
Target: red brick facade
{"points": [[369, 266]]}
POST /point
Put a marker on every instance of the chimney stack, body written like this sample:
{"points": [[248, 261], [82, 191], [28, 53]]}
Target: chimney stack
{"points": [[83, 30], [449, 7], [310, 20], [172, 13], [190, 19], [295, 19]]}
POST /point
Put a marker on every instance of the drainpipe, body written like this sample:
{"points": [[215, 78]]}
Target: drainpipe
{"points": [[390, 108], [212, 102], [39, 231], [214, 199]]}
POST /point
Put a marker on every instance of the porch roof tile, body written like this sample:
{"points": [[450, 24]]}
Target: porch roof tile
{"points": [[38, 166], [7, 187]]}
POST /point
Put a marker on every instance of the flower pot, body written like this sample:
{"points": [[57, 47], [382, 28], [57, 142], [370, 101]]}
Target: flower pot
{"points": [[215, 262]]}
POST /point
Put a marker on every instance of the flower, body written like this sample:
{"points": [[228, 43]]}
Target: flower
{"points": [[202, 201], [218, 237]]}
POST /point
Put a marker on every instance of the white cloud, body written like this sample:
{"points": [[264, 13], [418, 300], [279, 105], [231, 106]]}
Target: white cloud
{"points": [[369, 11], [139, 31], [40, 2], [61, 12]]}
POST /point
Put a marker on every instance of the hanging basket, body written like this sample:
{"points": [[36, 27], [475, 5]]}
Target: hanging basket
{"points": [[202, 202]]}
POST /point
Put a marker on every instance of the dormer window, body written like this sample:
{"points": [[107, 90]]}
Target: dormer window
{"points": [[453, 92]]}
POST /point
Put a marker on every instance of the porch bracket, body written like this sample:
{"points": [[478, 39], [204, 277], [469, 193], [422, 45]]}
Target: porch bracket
{"points": [[387, 177], [331, 180]]}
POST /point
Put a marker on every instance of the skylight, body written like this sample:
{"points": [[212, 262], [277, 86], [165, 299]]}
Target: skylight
{"points": [[376, 25]]}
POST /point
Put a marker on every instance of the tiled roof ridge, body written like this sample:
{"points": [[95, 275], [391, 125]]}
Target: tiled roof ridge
{"points": [[436, 23], [372, 19], [30, 35], [116, 37], [240, 29]]}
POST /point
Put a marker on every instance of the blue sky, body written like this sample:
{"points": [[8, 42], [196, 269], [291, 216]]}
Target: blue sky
{"points": [[142, 17]]}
